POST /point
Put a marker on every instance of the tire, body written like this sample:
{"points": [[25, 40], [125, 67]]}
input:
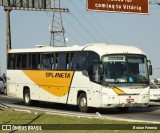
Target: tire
{"points": [[123, 109], [5, 91], [27, 98], [82, 102]]}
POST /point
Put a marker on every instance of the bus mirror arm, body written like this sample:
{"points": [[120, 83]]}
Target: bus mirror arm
{"points": [[101, 72], [99, 63], [150, 67], [97, 71], [149, 61], [101, 69]]}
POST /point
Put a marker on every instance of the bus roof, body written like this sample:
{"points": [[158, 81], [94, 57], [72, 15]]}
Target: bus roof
{"points": [[100, 48]]}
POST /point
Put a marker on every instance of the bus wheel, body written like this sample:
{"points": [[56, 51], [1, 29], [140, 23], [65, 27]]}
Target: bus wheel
{"points": [[26, 97], [122, 109], [82, 102], [5, 91]]}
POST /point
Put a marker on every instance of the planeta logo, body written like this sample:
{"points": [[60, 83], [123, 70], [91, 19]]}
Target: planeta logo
{"points": [[57, 75]]}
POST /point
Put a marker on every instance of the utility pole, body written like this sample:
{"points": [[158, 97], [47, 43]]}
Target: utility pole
{"points": [[57, 38], [8, 28], [8, 33]]}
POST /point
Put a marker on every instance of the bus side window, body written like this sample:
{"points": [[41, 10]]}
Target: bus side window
{"points": [[29, 61], [92, 68], [62, 61], [52, 61], [56, 61], [80, 60], [11, 61], [70, 61], [46, 61], [34, 61], [24, 61], [67, 60], [19, 61]]}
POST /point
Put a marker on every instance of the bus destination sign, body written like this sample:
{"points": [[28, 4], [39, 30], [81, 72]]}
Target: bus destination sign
{"points": [[124, 6]]}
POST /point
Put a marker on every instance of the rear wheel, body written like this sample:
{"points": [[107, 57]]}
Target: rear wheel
{"points": [[5, 91], [82, 102], [26, 97]]}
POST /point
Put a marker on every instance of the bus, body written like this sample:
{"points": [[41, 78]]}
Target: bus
{"points": [[94, 75]]}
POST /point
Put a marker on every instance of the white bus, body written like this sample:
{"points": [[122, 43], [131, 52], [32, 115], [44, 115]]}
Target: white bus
{"points": [[94, 75]]}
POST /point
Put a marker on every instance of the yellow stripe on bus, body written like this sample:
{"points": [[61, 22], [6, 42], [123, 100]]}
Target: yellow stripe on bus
{"points": [[54, 82]]}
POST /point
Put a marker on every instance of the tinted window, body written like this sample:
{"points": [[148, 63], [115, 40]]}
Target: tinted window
{"points": [[19, 61], [11, 61], [70, 58], [46, 61], [92, 58], [24, 61], [62, 61], [34, 61], [80, 61]]}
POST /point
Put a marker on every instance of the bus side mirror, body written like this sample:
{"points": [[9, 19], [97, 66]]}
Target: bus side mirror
{"points": [[97, 71], [100, 66], [100, 69], [150, 69]]}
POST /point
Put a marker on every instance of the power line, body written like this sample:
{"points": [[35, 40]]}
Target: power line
{"points": [[77, 32], [66, 18], [86, 29], [82, 25], [99, 24], [99, 33]]}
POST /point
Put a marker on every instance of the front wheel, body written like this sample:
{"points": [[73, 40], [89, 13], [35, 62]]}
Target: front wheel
{"points": [[82, 102], [26, 97]]}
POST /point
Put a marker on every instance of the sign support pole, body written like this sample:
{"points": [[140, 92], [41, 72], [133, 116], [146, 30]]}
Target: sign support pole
{"points": [[8, 33], [8, 29]]}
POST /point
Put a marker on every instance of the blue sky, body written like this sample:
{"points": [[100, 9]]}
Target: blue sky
{"points": [[81, 27]]}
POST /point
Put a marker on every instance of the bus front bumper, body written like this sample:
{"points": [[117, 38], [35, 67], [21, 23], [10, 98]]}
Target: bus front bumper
{"points": [[125, 101]]}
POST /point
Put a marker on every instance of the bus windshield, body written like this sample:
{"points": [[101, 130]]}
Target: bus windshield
{"points": [[125, 69]]}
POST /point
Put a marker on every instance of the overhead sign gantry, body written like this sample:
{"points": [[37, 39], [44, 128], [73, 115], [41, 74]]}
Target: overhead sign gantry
{"points": [[32, 5], [29, 5]]}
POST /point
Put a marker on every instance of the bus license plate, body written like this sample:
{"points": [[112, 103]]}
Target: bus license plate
{"points": [[129, 100]]}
